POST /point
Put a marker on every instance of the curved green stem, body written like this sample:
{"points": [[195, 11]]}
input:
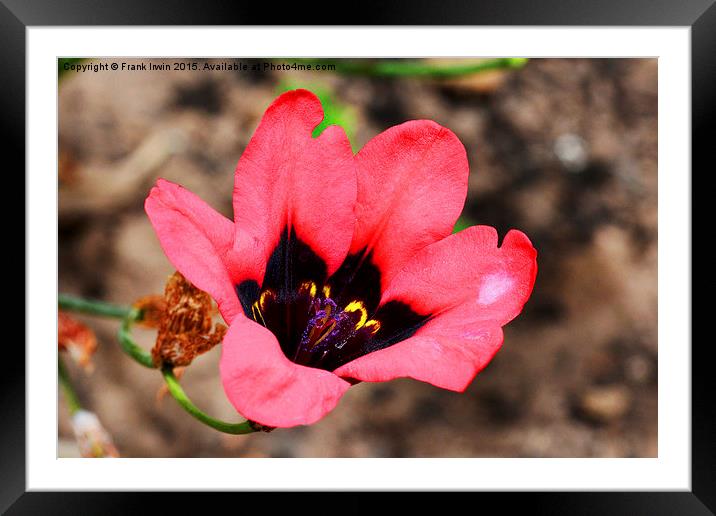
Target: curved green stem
{"points": [[128, 345], [129, 315], [178, 393], [91, 306], [407, 67], [71, 398]]}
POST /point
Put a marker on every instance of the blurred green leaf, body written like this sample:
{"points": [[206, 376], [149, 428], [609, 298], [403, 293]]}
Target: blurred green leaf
{"points": [[418, 68], [463, 223]]}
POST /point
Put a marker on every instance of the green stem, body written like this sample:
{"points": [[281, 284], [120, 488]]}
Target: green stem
{"points": [[129, 315], [407, 68], [178, 393], [128, 345], [90, 306], [71, 398]]}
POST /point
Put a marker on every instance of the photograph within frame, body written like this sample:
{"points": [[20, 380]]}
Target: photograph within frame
{"points": [[564, 150], [642, 47]]}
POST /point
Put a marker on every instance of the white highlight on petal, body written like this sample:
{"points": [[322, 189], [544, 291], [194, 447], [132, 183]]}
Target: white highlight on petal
{"points": [[493, 287], [475, 335]]}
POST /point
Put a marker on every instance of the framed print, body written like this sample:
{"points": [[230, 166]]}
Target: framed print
{"points": [[444, 251]]}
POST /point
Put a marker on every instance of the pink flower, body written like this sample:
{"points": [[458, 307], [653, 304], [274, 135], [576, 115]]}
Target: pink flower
{"points": [[340, 268]]}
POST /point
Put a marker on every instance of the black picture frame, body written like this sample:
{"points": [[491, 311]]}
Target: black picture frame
{"points": [[17, 15]]}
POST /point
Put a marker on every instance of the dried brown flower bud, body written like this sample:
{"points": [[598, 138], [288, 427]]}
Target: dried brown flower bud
{"points": [[77, 339], [185, 327], [153, 308]]}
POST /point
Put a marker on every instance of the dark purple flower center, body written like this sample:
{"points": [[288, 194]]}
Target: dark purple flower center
{"points": [[321, 328], [325, 322]]}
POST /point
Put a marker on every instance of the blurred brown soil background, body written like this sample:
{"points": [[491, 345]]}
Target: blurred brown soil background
{"points": [[563, 149]]}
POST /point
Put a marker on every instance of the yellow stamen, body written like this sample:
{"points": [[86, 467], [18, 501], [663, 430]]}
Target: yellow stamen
{"points": [[310, 287], [256, 311], [355, 306], [373, 326], [262, 299], [327, 291]]}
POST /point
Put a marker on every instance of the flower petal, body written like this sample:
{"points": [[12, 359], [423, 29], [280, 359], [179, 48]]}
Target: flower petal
{"points": [[264, 386], [196, 239], [445, 361], [472, 288], [412, 183], [288, 180]]}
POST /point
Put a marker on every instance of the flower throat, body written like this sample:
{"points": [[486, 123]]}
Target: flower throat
{"points": [[325, 322]]}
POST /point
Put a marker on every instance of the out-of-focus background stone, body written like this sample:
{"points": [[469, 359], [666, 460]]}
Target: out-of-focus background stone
{"points": [[563, 149]]}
